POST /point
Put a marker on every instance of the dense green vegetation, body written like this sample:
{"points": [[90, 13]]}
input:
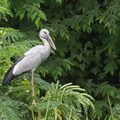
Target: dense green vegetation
{"points": [[79, 81]]}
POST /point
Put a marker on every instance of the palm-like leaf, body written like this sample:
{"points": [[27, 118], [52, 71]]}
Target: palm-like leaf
{"points": [[12, 109], [67, 101]]}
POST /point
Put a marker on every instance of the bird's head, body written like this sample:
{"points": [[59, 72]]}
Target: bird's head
{"points": [[44, 35]]}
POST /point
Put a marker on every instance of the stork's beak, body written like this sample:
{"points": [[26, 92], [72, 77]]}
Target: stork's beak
{"points": [[51, 42]]}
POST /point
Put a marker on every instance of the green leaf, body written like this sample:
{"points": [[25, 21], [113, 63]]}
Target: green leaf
{"points": [[112, 93], [34, 15], [21, 16], [59, 1], [37, 21], [42, 15], [82, 66]]}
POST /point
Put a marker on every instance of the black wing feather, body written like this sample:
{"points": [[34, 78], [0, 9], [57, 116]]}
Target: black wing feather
{"points": [[9, 75]]}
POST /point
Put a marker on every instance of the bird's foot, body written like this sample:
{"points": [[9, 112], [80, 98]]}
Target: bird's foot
{"points": [[34, 102]]}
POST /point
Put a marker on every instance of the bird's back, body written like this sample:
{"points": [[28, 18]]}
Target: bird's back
{"points": [[30, 61]]}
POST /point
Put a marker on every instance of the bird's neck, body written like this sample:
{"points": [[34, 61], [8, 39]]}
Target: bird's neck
{"points": [[46, 50], [46, 45]]}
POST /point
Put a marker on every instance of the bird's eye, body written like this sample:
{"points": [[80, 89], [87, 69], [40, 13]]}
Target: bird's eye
{"points": [[45, 32]]}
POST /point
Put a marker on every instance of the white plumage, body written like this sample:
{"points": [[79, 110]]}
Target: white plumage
{"points": [[32, 59]]}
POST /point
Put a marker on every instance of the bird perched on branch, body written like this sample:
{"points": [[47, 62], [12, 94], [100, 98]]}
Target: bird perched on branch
{"points": [[31, 60]]}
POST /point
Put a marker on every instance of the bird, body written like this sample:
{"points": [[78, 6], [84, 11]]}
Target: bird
{"points": [[31, 60]]}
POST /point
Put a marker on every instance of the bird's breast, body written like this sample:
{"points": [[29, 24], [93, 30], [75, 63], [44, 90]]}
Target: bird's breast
{"points": [[45, 55]]}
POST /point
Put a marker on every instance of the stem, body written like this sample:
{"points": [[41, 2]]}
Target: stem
{"points": [[33, 117], [57, 115], [47, 109], [110, 106], [70, 114]]}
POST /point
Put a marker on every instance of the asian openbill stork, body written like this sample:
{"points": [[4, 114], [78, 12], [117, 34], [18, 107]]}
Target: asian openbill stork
{"points": [[31, 60]]}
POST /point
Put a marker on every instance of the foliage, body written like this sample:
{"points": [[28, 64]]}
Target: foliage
{"points": [[12, 109], [10, 35], [4, 10], [65, 102], [87, 37], [116, 111], [106, 95]]}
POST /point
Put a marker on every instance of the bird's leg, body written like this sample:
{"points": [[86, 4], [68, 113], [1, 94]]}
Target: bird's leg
{"points": [[33, 90]]}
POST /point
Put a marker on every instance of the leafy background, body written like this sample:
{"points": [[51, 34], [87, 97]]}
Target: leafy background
{"points": [[86, 34]]}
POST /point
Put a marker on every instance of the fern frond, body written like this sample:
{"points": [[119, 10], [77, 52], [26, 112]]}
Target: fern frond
{"points": [[67, 99], [4, 10], [11, 109], [10, 35], [68, 84], [43, 84]]}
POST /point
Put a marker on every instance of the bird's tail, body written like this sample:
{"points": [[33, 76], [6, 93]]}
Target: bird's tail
{"points": [[9, 75]]}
